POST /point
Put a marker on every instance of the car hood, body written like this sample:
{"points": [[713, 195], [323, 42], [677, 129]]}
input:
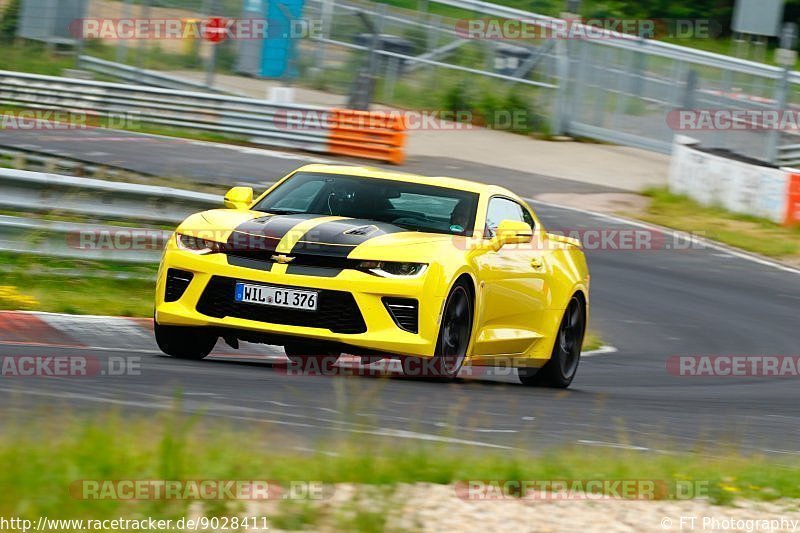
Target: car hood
{"points": [[252, 231]]}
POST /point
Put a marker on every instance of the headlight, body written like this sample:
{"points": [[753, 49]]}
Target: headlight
{"points": [[197, 245], [393, 269]]}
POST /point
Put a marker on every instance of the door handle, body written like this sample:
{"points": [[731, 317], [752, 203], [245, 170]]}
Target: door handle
{"points": [[536, 262]]}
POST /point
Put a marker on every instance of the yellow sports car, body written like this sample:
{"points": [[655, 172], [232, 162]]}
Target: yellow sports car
{"points": [[436, 272]]}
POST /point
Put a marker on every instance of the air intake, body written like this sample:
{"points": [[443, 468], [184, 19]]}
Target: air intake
{"points": [[177, 282], [404, 312], [362, 230]]}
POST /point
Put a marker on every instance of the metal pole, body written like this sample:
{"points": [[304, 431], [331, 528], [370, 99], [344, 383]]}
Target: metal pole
{"points": [[212, 55], [561, 112], [327, 9], [81, 40], [433, 41], [774, 135], [122, 46], [576, 106], [143, 48], [392, 66]]}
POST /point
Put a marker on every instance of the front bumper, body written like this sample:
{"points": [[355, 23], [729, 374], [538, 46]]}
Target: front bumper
{"points": [[381, 334]]}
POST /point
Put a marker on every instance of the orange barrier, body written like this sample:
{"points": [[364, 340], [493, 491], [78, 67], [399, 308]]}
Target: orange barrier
{"points": [[793, 200], [371, 134]]}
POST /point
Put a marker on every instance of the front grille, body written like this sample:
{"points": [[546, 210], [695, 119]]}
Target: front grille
{"points": [[336, 310], [310, 260], [177, 282], [404, 312]]}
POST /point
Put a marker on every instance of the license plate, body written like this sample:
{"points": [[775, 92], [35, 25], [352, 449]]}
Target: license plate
{"points": [[276, 296]]}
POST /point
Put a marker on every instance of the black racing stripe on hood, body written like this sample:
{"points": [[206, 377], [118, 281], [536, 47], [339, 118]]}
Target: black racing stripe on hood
{"points": [[264, 233], [338, 238]]}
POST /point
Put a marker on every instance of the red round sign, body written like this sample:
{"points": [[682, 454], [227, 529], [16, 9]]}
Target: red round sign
{"points": [[215, 29]]}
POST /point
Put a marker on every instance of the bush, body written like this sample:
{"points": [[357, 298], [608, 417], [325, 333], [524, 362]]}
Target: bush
{"points": [[9, 20]]}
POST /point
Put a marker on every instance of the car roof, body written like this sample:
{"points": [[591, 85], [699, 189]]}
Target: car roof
{"points": [[373, 172]]}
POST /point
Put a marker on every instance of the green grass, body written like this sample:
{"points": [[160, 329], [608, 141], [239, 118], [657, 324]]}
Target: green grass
{"points": [[96, 287], [749, 233], [45, 452], [183, 133], [592, 341], [77, 286]]}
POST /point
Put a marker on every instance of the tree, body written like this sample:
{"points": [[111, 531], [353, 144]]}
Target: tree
{"points": [[9, 19]]}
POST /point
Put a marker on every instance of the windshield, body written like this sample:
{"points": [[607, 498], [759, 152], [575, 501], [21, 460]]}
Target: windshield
{"points": [[409, 205]]}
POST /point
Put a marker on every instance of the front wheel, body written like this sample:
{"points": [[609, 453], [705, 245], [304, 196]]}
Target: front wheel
{"points": [[454, 337], [560, 370], [184, 342]]}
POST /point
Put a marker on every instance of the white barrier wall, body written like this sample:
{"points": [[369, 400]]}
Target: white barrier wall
{"points": [[736, 186]]}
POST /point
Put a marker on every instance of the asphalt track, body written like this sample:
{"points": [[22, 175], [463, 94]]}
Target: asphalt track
{"points": [[650, 304], [187, 161]]}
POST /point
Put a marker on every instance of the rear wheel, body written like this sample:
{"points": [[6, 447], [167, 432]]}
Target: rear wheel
{"points": [[184, 342], [454, 336], [311, 356], [560, 370]]}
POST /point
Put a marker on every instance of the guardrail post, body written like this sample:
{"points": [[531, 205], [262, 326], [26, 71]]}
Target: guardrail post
{"points": [[774, 135], [18, 161]]}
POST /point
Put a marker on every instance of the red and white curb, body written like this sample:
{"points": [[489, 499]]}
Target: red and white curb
{"points": [[135, 335], [106, 333]]}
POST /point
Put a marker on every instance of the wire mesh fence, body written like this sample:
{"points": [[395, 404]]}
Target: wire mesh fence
{"points": [[611, 87]]}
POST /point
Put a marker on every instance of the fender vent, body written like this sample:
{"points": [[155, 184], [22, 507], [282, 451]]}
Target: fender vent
{"points": [[404, 312]]}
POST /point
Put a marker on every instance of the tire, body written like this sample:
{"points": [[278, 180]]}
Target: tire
{"points": [[455, 334], [312, 356], [184, 342], [560, 370]]}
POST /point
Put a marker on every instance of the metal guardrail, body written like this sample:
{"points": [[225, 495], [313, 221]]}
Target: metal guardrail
{"points": [[789, 155], [80, 241], [39, 192], [39, 161], [141, 76], [283, 125]]}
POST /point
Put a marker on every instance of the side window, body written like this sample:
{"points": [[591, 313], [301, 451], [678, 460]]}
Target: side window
{"points": [[504, 209]]}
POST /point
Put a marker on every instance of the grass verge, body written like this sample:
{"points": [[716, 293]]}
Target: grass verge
{"points": [[44, 455], [749, 233], [76, 286], [83, 287], [592, 341]]}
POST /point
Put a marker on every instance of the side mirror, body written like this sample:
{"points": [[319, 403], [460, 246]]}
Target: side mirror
{"points": [[239, 198], [511, 232]]}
